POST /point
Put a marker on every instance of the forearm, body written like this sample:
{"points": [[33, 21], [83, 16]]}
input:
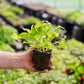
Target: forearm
{"points": [[10, 60]]}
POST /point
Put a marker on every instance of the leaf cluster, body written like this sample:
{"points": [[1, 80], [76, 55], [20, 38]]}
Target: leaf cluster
{"points": [[11, 8], [6, 47], [40, 35], [6, 34]]}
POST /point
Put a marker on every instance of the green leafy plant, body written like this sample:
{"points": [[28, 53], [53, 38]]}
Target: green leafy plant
{"points": [[11, 8], [6, 47], [41, 35], [77, 17], [30, 20], [9, 15], [5, 34], [16, 10], [77, 49], [70, 14]]}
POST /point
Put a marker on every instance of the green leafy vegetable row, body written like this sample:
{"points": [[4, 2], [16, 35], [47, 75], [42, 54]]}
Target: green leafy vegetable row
{"points": [[70, 14]]}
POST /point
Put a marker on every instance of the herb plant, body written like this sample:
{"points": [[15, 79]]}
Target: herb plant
{"points": [[40, 35]]}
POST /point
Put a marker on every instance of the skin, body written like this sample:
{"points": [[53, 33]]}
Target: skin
{"points": [[19, 61]]}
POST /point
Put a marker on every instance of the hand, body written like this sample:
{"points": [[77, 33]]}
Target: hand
{"points": [[29, 66]]}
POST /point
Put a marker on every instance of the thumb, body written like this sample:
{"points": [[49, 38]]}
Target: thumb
{"points": [[29, 52], [31, 49]]}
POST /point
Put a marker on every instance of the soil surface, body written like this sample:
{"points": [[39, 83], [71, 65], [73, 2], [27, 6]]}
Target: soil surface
{"points": [[41, 59]]}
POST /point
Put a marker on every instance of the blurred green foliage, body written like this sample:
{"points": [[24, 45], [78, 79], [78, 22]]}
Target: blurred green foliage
{"points": [[62, 58], [70, 14], [9, 8], [6, 39], [15, 15], [6, 47], [77, 17], [28, 21], [6, 34]]}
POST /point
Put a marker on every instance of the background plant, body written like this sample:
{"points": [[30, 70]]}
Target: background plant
{"points": [[6, 34]]}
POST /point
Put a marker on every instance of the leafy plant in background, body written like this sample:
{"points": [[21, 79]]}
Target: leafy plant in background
{"points": [[70, 14], [28, 21], [10, 12], [6, 47], [61, 12], [76, 48], [78, 71], [31, 20], [76, 17], [9, 15], [6, 34], [11, 8], [16, 10]]}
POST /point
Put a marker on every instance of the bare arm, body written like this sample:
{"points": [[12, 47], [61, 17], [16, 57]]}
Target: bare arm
{"points": [[19, 61], [10, 60]]}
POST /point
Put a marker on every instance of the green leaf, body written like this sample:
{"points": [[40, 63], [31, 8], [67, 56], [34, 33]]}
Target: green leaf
{"points": [[15, 36], [40, 35]]}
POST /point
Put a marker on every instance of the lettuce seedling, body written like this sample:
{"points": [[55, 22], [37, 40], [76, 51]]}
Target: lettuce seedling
{"points": [[40, 35]]}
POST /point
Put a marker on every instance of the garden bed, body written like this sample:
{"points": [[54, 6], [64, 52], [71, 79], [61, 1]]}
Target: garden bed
{"points": [[23, 21]]}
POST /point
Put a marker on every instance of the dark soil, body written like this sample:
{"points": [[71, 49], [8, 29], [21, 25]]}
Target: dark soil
{"points": [[41, 59]]}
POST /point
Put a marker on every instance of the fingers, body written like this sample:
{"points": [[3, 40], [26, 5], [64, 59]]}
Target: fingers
{"points": [[51, 56], [51, 62], [44, 71], [51, 68], [31, 48]]}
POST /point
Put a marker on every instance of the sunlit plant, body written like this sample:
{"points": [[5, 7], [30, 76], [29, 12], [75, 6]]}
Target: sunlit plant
{"points": [[40, 36]]}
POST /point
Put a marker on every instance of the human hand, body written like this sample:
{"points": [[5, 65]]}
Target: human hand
{"points": [[29, 66]]}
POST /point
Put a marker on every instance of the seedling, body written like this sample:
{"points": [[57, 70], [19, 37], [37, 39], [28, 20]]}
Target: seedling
{"points": [[40, 35]]}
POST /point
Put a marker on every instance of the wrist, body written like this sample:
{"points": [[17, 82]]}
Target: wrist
{"points": [[25, 59], [10, 60], [19, 61]]}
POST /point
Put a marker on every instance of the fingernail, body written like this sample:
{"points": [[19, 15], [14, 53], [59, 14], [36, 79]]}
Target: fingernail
{"points": [[46, 70]]}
